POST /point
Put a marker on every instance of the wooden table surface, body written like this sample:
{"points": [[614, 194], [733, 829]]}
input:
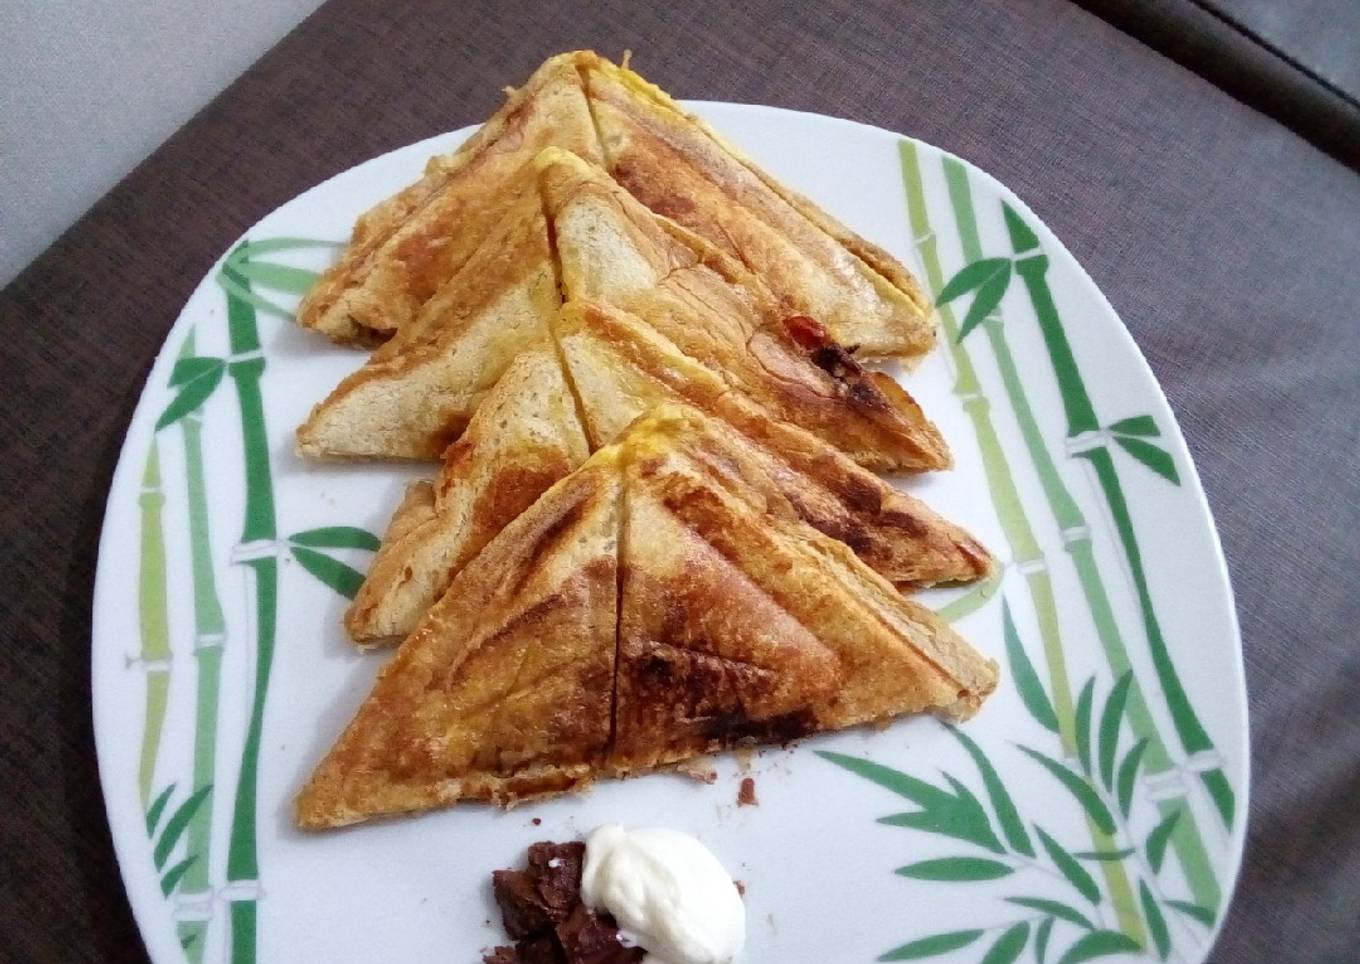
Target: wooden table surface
{"points": [[1227, 244]]}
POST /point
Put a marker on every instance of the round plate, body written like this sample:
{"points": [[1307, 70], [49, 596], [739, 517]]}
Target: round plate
{"points": [[1094, 807]]}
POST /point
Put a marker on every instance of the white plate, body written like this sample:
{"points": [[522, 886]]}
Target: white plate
{"points": [[1070, 466]]}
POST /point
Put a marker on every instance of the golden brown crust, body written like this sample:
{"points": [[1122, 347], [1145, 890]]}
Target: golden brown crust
{"points": [[417, 393], [622, 368], [407, 247], [649, 607], [610, 249], [505, 690], [678, 166], [894, 655], [524, 437], [529, 432]]}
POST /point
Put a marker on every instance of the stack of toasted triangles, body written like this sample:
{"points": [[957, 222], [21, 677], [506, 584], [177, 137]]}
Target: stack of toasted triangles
{"points": [[725, 567]]}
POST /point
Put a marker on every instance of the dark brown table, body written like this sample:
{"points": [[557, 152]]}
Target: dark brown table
{"points": [[1228, 244]]}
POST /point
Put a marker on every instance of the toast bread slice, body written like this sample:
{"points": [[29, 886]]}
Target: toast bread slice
{"points": [[524, 437], [678, 166], [580, 234], [541, 420], [406, 248], [416, 394], [505, 691], [607, 631], [611, 249]]}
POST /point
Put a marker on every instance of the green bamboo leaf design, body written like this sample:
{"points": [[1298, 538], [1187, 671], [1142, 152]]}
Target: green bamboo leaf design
{"points": [[986, 300], [1103, 854], [1138, 425], [188, 369], [175, 826], [1023, 237], [259, 523], [1110, 719], [193, 393], [1053, 909], [1202, 914], [153, 813], [1008, 946], [251, 249], [1156, 841], [280, 277], [1128, 772], [956, 869], [1078, 787], [977, 818], [1006, 814], [971, 276], [1069, 868], [917, 791], [931, 946], [1085, 704], [172, 876], [1099, 944], [977, 596], [231, 282], [957, 823], [337, 537], [948, 824], [1032, 692], [1156, 922], [1151, 456], [342, 578], [1041, 939]]}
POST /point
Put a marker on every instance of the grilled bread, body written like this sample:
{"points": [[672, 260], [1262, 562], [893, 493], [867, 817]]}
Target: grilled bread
{"points": [[675, 164], [538, 422], [506, 689], [583, 236], [608, 630], [408, 247], [417, 393], [611, 249], [524, 437]]}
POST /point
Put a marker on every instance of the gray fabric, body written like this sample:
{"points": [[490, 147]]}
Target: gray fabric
{"points": [[1323, 36], [1226, 243]]}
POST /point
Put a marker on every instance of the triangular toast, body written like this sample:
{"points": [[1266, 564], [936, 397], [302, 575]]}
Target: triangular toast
{"points": [[589, 239], [527, 434], [611, 249], [502, 692], [620, 367], [417, 393], [406, 248], [505, 691], [524, 437], [675, 164]]}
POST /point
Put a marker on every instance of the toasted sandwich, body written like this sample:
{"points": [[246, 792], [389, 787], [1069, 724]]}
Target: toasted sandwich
{"points": [[406, 248], [584, 237], [539, 421], [609, 630]]}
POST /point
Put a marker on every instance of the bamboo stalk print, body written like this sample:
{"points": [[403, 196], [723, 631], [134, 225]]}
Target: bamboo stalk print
{"points": [[258, 551], [1084, 428], [154, 620], [1077, 540], [1026, 553], [210, 634]]}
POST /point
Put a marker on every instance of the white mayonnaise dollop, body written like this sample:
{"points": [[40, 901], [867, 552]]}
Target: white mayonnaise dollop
{"points": [[668, 893]]}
